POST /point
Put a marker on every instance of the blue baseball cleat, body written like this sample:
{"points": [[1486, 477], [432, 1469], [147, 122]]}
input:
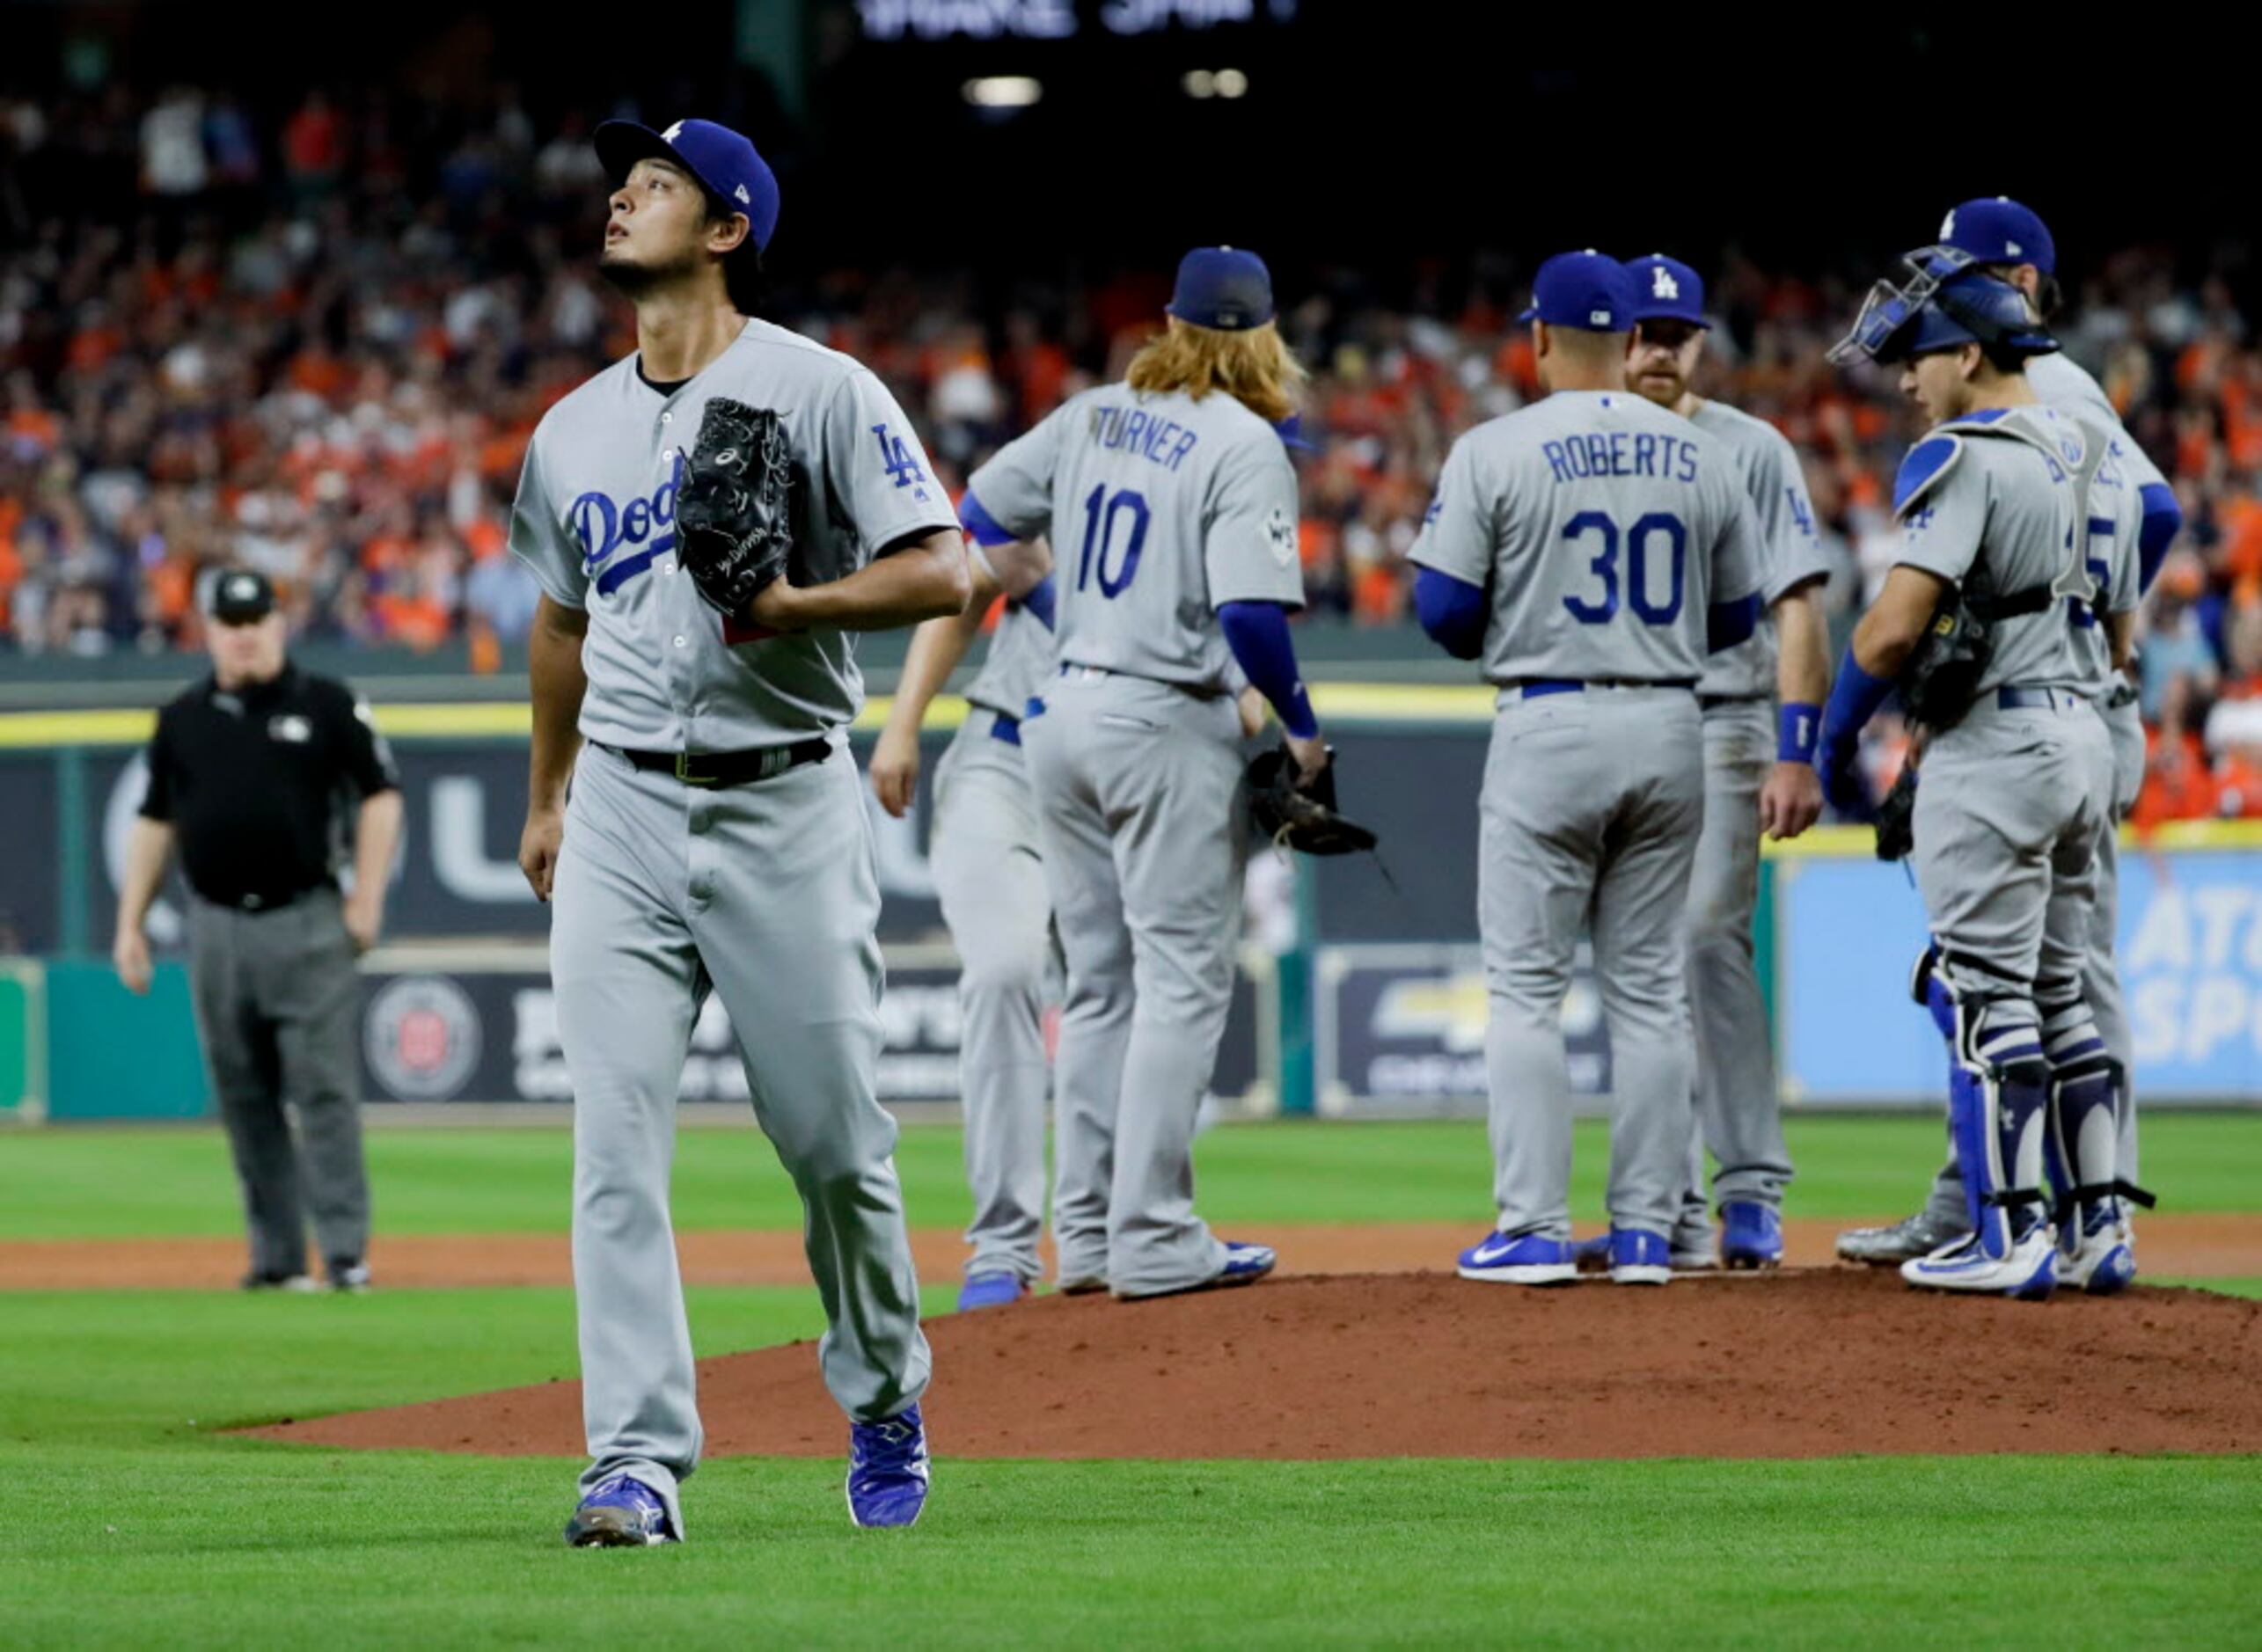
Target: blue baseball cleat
{"points": [[1246, 1264], [991, 1290], [888, 1469], [1519, 1258], [1639, 1258], [622, 1513], [1751, 1234]]}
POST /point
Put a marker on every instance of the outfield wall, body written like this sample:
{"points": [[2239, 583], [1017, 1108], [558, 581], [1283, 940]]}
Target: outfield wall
{"points": [[1361, 992]]}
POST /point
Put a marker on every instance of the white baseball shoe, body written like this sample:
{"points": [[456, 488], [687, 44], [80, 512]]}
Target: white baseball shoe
{"points": [[2103, 1259], [2030, 1272]]}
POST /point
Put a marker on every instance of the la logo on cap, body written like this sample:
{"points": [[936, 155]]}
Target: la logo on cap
{"points": [[670, 134], [1662, 285]]}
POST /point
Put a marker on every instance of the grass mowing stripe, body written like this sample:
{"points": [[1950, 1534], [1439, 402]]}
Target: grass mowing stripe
{"points": [[91, 1183], [160, 1546], [141, 1366]]}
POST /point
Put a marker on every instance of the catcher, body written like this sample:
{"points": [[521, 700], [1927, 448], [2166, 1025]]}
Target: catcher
{"points": [[708, 519]]}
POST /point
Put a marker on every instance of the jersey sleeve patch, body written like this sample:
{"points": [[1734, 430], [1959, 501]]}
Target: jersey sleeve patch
{"points": [[1928, 462]]}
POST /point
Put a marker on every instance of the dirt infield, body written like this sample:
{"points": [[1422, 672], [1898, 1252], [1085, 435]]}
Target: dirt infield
{"points": [[1803, 1363], [2172, 1247]]}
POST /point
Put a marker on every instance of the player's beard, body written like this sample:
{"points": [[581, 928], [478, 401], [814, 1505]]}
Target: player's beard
{"points": [[1648, 387]]}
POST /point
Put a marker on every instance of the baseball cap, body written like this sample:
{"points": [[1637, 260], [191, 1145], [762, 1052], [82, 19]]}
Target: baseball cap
{"points": [[1666, 289], [1222, 286], [726, 162], [1996, 230], [241, 596], [1588, 290]]}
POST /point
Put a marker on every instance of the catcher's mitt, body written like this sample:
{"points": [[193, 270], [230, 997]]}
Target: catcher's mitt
{"points": [[1301, 817], [1897, 817], [731, 518]]}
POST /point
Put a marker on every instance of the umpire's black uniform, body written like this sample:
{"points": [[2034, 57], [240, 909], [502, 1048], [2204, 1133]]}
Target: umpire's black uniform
{"points": [[253, 783]]}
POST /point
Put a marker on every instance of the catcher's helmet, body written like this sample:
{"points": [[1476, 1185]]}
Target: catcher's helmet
{"points": [[1945, 303]]}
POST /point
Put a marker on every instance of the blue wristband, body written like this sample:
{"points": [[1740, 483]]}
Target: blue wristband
{"points": [[1798, 726]]}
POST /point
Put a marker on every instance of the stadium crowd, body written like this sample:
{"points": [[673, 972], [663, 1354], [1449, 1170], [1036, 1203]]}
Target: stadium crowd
{"points": [[320, 345]]}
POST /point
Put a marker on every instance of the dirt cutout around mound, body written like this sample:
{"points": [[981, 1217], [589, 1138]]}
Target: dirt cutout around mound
{"points": [[2177, 1245], [1800, 1363]]}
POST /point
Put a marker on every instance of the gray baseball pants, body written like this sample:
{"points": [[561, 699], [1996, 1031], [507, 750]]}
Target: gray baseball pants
{"points": [[1739, 1112], [278, 1009], [766, 892], [1591, 805], [2100, 973], [990, 874], [1138, 804]]}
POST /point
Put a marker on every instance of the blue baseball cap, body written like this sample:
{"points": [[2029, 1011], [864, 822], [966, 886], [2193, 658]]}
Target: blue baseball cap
{"points": [[1224, 288], [1588, 290], [1996, 230], [726, 163], [1666, 289]]}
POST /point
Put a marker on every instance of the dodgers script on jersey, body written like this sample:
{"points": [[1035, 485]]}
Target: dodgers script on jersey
{"points": [[595, 521], [1790, 550], [1604, 526], [1160, 508], [1999, 518]]}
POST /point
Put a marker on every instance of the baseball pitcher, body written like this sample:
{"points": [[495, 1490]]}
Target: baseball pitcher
{"points": [[710, 519]]}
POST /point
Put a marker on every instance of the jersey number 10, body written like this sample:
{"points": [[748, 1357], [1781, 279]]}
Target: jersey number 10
{"points": [[1589, 611], [1100, 513]]}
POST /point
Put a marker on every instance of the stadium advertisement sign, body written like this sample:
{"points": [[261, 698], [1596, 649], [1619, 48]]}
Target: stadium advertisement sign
{"points": [[1401, 1030], [480, 1025], [2191, 957]]}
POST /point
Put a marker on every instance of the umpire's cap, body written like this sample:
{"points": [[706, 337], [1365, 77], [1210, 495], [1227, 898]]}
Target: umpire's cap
{"points": [[728, 165], [241, 597]]}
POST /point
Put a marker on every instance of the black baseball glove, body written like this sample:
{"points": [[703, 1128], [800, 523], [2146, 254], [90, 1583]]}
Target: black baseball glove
{"points": [[1301, 817], [732, 519], [1897, 817]]}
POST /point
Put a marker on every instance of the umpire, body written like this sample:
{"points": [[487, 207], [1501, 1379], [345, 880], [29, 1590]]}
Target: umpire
{"points": [[250, 770]]}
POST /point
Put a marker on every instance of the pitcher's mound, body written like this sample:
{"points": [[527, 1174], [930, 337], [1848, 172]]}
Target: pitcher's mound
{"points": [[1802, 1363]]}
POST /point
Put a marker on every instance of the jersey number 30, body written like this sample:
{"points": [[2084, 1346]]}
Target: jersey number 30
{"points": [[1100, 514], [1639, 541]]}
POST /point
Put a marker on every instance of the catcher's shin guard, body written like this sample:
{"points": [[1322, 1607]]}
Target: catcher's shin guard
{"points": [[2084, 1134], [1998, 1095]]}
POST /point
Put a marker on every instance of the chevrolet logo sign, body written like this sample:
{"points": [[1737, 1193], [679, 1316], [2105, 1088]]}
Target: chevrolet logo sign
{"points": [[1450, 1009]]}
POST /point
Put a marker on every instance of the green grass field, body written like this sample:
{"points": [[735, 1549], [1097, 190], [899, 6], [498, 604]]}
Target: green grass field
{"points": [[139, 1523]]}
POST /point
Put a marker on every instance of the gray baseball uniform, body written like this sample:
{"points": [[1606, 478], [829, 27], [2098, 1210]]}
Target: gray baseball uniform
{"points": [[1604, 527], [1739, 1112], [2015, 795], [2061, 383], [990, 874], [765, 892], [1160, 508]]}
